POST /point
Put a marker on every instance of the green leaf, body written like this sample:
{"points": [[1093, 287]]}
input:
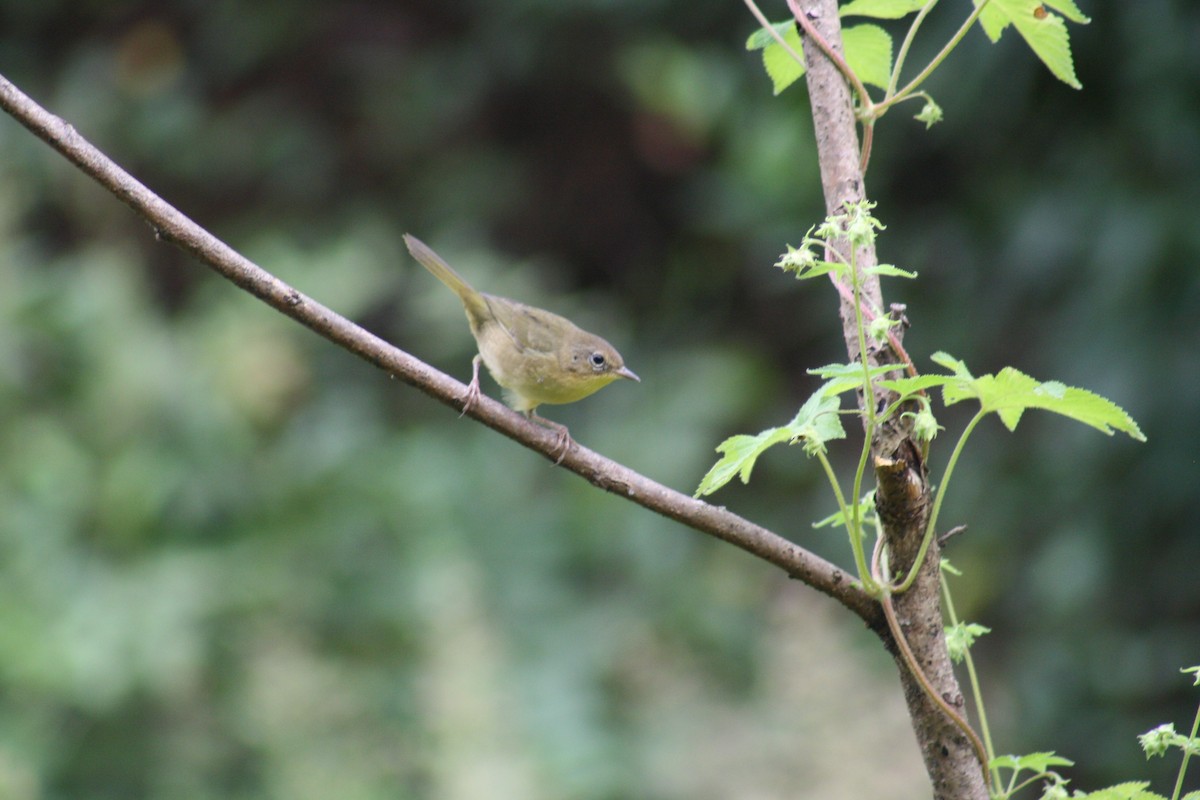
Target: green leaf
{"points": [[869, 53], [844, 377], [1069, 10], [889, 270], [815, 423], [1133, 790], [739, 454], [781, 67], [881, 9], [943, 359], [812, 269], [1036, 762], [907, 386], [1010, 392], [993, 20], [1044, 32], [1050, 41]]}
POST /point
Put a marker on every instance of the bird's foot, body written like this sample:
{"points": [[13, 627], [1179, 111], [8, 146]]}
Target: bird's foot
{"points": [[563, 441], [473, 392]]}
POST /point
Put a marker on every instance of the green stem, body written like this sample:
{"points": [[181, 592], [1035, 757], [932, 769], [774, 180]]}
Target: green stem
{"points": [[1186, 755], [908, 40], [1012, 784], [853, 528], [1014, 787], [937, 503], [769, 28], [856, 540], [937, 60], [975, 688], [869, 402]]}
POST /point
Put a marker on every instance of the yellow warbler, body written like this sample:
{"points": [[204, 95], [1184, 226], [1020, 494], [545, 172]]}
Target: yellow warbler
{"points": [[538, 357]]}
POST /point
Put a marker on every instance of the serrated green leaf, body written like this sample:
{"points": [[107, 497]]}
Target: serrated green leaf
{"points": [[1069, 10], [869, 53], [907, 386], [1044, 32], [943, 359], [1132, 790], [1048, 38], [818, 268], [1036, 762], [739, 454], [1010, 392], [993, 20], [815, 423], [845, 377], [881, 9], [889, 270], [1005, 394], [782, 69]]}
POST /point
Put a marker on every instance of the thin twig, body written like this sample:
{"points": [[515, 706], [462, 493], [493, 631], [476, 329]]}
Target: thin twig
{"points": [[955, 531], [173, 226]]}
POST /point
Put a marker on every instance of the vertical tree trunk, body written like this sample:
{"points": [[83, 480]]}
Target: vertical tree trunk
{"points": [[902, 496]]}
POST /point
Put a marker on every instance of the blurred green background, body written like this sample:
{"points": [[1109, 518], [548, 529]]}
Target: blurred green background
{"points": [[237, 563]]}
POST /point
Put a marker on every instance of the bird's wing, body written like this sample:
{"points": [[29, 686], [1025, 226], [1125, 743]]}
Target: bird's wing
{"points": [[532, 330]]}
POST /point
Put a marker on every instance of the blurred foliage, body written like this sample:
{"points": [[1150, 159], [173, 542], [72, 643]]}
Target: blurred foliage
{"points": [[236, 563]]}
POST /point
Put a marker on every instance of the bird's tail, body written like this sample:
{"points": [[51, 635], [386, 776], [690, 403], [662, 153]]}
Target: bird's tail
{"points": [[444, 273]]}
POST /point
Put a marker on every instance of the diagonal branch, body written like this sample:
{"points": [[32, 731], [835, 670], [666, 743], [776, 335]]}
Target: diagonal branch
{"points": [[173, 226]]}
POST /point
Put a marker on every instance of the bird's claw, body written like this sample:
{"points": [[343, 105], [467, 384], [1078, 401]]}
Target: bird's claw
{"points": [[564, 442], [471, 399]]}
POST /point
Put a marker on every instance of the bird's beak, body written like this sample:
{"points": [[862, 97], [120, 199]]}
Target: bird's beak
{"points": [[626, 372]]}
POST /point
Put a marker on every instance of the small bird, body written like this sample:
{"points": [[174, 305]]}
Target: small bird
{"points": [[538, 357]]}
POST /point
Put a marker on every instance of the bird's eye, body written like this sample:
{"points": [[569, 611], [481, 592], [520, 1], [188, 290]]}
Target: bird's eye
{"points": [[597, 360]]}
